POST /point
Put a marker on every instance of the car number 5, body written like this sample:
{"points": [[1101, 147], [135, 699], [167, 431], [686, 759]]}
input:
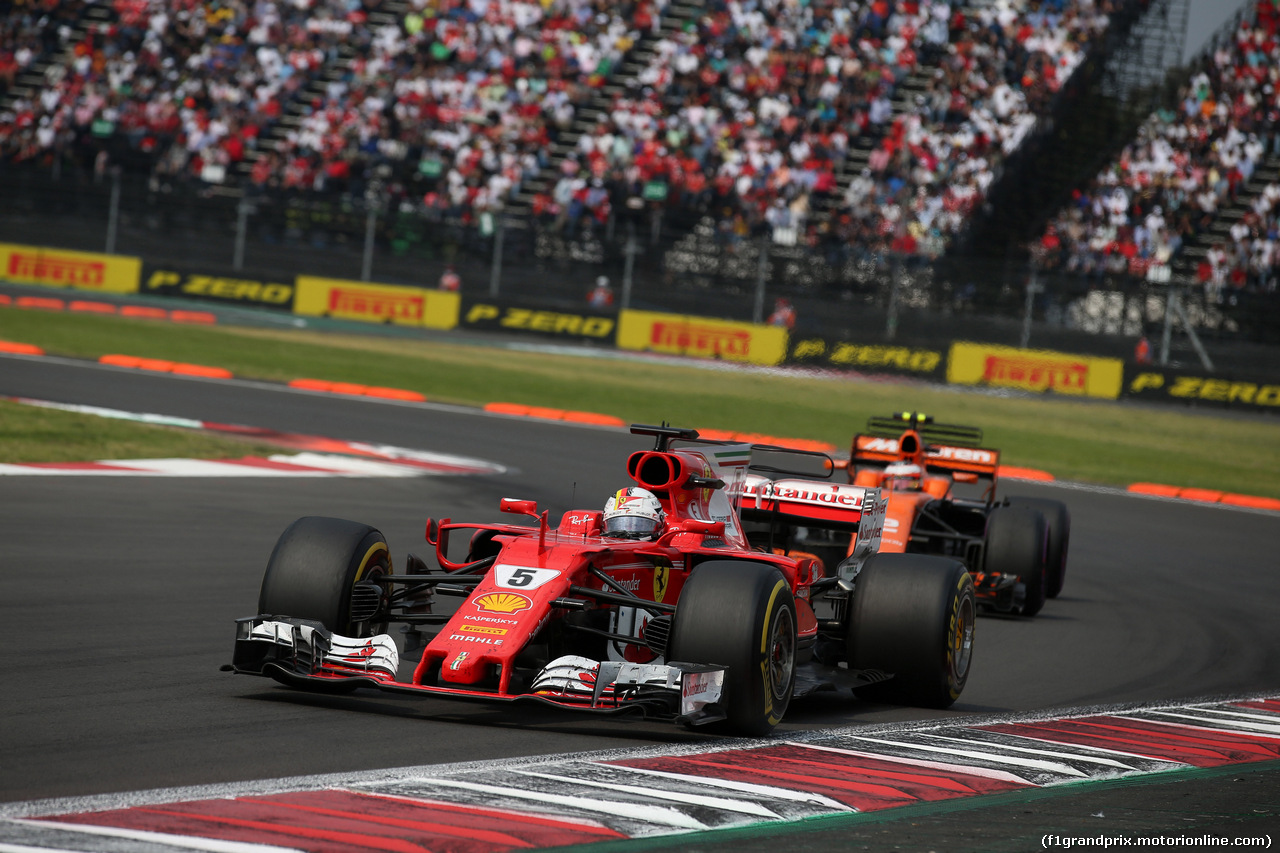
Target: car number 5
{"points": [[522, 577]]}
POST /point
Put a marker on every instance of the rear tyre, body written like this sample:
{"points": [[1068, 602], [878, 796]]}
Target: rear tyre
{"points": [[314, 569], [1016, 544], [740, 615], [1058, 519], [913, 615]]}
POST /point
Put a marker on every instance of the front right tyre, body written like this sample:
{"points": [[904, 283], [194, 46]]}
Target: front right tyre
{"points": [[913, 616]]}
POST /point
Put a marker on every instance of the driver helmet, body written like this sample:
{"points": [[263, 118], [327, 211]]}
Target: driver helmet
{"points": [[633, 513], [903, 477]]}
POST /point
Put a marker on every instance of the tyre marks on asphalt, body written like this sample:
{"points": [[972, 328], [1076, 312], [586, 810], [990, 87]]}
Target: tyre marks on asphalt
{"points": [[551, 803]]}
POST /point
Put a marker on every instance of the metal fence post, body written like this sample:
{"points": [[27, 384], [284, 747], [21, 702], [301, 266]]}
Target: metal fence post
{"points": [[370, 226], [113, 214], [1170, 299], [629, 265], [762, 273], [242, 222], [891, 320], [1033, 287], [495, 271]]}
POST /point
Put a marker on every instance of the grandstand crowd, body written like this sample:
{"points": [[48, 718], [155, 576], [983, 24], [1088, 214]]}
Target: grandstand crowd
{"points": [[1186, 166], [749, 112]]}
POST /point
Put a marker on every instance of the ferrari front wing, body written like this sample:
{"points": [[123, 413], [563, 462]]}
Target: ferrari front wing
{"points": [[303, 653]]}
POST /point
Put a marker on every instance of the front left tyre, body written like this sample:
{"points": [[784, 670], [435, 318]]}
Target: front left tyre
{"points": [[1017, 543], [740, 615], [1058, 519], [322, 569]]}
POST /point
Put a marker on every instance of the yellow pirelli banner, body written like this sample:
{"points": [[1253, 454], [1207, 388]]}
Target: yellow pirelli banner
{"points": [[65, 268], [701, 337], [375, 303], [1034, 370]]}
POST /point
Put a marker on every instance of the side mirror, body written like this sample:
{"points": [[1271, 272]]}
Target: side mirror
{"points": [[516, 507], [706, 528]]}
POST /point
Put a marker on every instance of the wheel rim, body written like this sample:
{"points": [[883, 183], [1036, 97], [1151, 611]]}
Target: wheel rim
{"points": [[962, 640], [782, 654]]}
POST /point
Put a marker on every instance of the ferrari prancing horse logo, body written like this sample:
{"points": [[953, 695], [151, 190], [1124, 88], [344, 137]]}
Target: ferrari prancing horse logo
{"points": [[661, 575]]}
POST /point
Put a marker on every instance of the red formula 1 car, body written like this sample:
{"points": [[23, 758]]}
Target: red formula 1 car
{"points": [[678, 601], [1016, 548]]}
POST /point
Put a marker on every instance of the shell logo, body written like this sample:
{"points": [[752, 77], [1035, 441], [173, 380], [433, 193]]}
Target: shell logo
{"points": [[503, 602]]}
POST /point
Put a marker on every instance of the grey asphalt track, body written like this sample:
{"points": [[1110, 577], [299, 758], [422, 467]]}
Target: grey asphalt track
{"points": [[117, 598]]}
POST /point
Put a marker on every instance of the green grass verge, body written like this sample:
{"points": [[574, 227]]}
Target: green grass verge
{"points": [[35, 434], [1083, 440]]}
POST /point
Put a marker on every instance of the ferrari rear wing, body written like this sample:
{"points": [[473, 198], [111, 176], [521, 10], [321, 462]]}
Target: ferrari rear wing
{"points": [[844, 507], [834, 506]]}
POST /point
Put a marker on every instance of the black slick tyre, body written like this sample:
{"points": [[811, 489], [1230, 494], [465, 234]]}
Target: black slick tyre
{"points": [[314, 568], [913, 615], [1016, 543], [1058, 518], [741, 615]]}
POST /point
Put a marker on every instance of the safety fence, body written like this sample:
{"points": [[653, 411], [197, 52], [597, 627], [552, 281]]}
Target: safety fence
{"points": [[952, 360], [696, 264]]}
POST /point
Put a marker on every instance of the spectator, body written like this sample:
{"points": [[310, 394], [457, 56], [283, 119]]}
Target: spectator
{"points": [[601, 296], [450, 281], [783, 315], [1183, 169], [1142, 350]]}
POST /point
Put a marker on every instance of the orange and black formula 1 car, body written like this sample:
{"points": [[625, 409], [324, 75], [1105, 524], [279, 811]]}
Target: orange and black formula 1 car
{"points": [[660, 605], [1016, 547]]}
